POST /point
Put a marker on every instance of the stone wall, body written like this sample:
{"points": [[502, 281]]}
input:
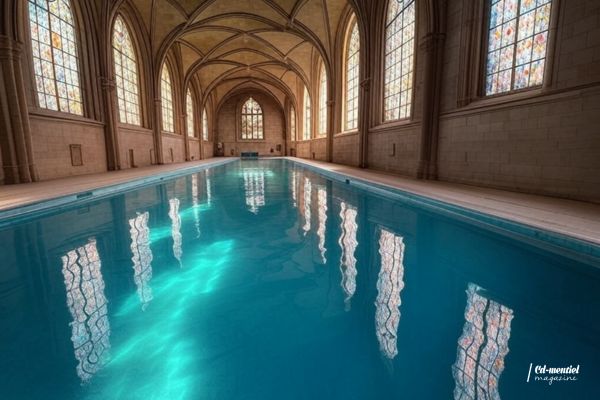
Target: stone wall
{"points": [[541, 141], [229, 126], [194, 149], [139, 140], [52, 138], [173, 148], [346, 149]]}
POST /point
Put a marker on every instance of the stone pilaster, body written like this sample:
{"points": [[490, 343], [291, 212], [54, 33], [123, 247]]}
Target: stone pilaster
{"points": [[111, 133], [330, 129], [15, 134], [157, 131], [433, 46]]}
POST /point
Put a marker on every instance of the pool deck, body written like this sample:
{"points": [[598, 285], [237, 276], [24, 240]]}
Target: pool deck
{"points": [[572, 218]]}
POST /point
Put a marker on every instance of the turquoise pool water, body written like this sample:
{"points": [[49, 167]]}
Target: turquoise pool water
{"points": [[263, 280]]}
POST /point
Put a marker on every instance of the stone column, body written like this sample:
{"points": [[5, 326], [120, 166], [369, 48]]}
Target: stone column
{"points": [[111, 133], [364, 125], [330, 129], [433, 46], [157, 131], [186, 138], [15, 135]]}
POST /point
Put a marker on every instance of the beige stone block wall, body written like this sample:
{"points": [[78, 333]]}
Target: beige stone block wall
{"points": [[51, 139], [550, 148], [139, 140], [177, 144], [194, 149], [208, 149], [395, 149], [345, 149], [229, 127], [303, 149], [319, 149]]}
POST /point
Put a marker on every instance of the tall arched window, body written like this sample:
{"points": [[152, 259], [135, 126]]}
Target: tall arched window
{"points": [[322, 101], [204, 125], [399, 53], [252, 120], [55, 61], [517, 43], [306, 135], [166, 96], [189, 106], [352, 76], [126, 74], [293, 122]]}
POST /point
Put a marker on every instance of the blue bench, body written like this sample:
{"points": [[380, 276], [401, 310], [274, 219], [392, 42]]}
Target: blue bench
{"points": [[249, 155]]}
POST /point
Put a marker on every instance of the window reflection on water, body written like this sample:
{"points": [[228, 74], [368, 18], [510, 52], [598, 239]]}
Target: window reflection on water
{"points": [[196, 204], [348, 244], [90, 329], [481, 347], [321, 230], [141, 257], [389, 285], [176, 228], [307, 204], [254, 187]]}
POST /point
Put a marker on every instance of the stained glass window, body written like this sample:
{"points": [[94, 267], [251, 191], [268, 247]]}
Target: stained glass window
{"points": [[87, 303], [389, 285], [348, 244], [482, 347], [517, 43], [126, 74], [352, 77], [55, 61], [307, 116], [204, 125], [189, 105], [166, 96], [252, 120], [293, 123], [399, 53], [323, 102]]}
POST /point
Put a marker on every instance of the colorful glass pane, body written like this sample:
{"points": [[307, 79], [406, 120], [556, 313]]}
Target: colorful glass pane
{"points": [[126, 74], [293, 122], [189, 106], [399, 54], [204, 125], [323, 102], [166, 96], [252, 120], [306, 134], [352, 77], [55, 60], [517, 38]]}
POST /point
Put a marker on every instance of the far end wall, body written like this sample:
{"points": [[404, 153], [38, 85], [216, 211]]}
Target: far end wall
{"points": [[229, 126]]}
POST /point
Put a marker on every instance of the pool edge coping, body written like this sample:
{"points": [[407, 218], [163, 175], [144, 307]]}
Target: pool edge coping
{"points": [[66, 200], [531, 231]]}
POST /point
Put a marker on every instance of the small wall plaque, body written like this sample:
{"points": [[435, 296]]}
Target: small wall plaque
{"points": [[76, 155]]}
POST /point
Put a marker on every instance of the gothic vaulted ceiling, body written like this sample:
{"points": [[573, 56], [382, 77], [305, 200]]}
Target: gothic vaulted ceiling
{"points": [[230, 44]]}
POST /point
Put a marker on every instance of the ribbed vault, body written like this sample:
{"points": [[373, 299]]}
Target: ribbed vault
{"points": [[225, 43]]}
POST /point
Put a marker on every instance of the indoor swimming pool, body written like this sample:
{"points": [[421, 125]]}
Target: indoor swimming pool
{"points": [[264, 280]]}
